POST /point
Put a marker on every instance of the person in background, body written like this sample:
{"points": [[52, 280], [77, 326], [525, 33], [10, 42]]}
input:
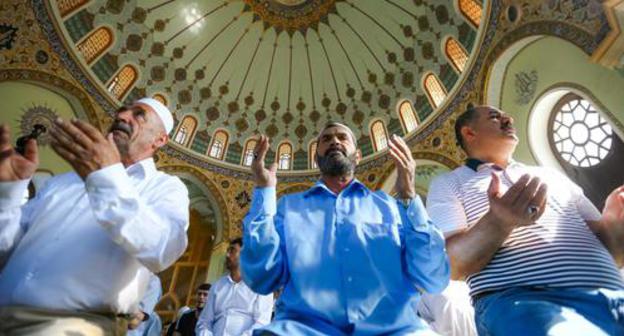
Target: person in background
{"points": [[146, 322], [232, 308], [185, 326]]}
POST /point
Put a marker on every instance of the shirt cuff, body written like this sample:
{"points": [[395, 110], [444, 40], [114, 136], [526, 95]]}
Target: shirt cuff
{"points": [[417, 214], [12, 193], [110, 177], [263, 201]]}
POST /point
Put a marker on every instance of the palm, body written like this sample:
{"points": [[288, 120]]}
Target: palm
{"points": [[263, 177], [14, 166], [613, 211]]}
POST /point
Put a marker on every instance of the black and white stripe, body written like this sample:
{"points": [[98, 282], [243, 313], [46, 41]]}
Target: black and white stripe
{"points": [[559, 250]]}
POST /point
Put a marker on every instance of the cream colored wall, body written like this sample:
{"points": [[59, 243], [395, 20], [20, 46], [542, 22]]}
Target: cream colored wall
{"points": [[558, 62], [16, 98]]}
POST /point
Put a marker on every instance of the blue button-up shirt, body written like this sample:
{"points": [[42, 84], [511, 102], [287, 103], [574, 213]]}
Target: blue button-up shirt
{"points": [[351, 263]]}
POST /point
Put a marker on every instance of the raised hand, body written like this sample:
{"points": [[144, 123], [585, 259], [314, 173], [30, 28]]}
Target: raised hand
{"points": [[14, 166], [405, 165], [83, 146], [522, 204], [262, 176], [613, 212]]}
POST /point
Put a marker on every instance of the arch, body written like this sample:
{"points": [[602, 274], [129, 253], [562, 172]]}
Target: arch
{"points": [[456, 54], [284, 156], [379, 135], [186, 131], [434, 89], [312, 155], [121, 83], [471, 11], [218, 144], [161, 98], [407, 115], [248, 152], [95, 44], [67, 7]]}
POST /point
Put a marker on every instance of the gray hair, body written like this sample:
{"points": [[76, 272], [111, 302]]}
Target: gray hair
{"points": [[337, 124]]}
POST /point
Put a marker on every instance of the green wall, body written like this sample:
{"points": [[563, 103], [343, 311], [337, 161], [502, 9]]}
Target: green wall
{"points": [[16, 98], [558, 62]]}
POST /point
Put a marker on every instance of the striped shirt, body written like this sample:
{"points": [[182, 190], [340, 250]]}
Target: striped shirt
{"points": [[559, 250]]}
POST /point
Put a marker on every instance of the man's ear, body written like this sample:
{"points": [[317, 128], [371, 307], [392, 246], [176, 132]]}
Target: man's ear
{"points": [[161, 140], [468, 134], [358, 156]]}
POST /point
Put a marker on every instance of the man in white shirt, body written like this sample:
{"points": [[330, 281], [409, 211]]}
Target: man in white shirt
{"points": [[77, 257], [232, 308]]}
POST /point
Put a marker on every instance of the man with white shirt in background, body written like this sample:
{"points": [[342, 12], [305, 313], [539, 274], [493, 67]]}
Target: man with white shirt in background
{"points": [[232, 308], [75, 259]]}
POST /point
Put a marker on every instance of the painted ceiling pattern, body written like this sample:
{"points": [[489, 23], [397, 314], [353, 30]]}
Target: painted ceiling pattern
{"points": [[279, 67]]}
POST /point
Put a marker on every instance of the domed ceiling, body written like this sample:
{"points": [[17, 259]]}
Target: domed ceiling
{"points": [[279, 67]]}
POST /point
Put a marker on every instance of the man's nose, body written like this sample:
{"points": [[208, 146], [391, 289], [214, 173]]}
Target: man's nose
{"points": [[507, 119]]}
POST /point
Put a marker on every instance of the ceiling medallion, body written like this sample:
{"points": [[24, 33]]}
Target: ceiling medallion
{"points": [[291, 15]]}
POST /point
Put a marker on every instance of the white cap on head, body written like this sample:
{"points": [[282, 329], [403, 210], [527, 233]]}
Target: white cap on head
{"points": [[161, 110]]}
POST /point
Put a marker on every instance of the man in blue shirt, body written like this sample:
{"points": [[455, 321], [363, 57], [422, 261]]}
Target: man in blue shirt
{"points": [[351, 261]]}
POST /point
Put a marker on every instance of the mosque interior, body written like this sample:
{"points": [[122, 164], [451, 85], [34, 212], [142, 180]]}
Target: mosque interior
{"points": [[232, 69]]}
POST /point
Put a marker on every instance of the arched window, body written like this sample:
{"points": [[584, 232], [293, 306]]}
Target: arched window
{"points": [[407, 116], [67, 7], [434, 89], [284, 156], [580, 135], [161, 98], [456, 54], [312, 155], [586, 146], [471, 10], [185, 131], [219, 143], [380, 137], [248, 153], [121, 83], [95, 44]]}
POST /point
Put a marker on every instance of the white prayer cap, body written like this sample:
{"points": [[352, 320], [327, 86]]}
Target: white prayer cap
{"points": [[160, 109]]}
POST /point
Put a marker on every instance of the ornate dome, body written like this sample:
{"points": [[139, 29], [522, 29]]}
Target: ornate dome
{"points": [[232, 69]]}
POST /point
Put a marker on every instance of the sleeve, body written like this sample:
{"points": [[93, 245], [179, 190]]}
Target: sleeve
{"points": [[263, 258], [444, 207], [206, 318], [263, 307], [14, 217], [424, 254], [154, 230], [584, 206]]}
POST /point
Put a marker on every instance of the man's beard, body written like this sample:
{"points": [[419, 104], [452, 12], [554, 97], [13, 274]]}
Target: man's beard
{"points": [[336, 163]]}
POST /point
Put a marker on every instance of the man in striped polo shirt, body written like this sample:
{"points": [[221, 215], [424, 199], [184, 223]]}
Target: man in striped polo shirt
{"points": [[539, 258]]}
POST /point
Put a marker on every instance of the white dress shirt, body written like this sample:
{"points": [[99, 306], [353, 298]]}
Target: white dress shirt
{"points": [[233, 309], [85, 245], [449, 313]]}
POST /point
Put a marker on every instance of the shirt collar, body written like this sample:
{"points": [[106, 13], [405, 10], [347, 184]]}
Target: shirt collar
{"points": [[476, 164], [320, 185], [142, 169]]}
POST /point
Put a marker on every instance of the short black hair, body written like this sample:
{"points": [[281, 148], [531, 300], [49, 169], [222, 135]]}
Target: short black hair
{"points": [[205, 286], [468, 116], [238, 241]]}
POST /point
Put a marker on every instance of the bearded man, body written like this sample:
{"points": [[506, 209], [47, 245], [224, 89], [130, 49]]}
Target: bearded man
{"points": [[351, 261], [74, 260]]}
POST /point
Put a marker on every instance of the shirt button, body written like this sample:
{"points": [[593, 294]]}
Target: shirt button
{"points": [[349, 279], [346, 249], [29, 275]]}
